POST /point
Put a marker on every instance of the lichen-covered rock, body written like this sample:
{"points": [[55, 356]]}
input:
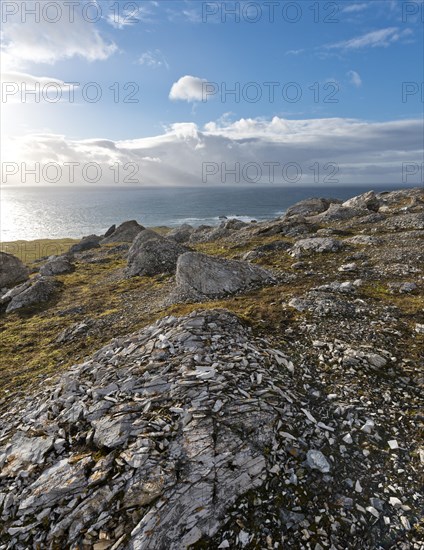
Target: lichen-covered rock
{"points": [[124, 233], [309, 207], [200, 276], [110, 231], [57, 265], [86, 243], [181, 234], [12, 270], [31, 293], [315, 244], [339, 212], [151, 254], [367, 201]]}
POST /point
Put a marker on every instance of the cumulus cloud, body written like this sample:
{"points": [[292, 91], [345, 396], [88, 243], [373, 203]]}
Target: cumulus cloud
{"points": [[354, 79], [57, 35], [381, 38], [364, 152], [188, 88]]}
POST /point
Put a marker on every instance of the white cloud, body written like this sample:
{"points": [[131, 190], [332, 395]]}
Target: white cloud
{"points": [[45, 41], [365, 152], [18, 87], [153, 59], [188, 88], [295, 52], [374, 39], [354, 8], [354, 78]]}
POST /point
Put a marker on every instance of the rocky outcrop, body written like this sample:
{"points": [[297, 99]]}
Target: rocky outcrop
{"points": [[29, 294], [150, 441], [57, 265], [202, 277], [310, 207], [338, 212], [110, 231], [367, 201], [225, 229], [181, 234], [86, 243], [12, 270], [150, 254], [124, 233]]}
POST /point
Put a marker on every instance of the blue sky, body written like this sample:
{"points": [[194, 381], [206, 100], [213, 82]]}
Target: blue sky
{"points": [[357, 54]]}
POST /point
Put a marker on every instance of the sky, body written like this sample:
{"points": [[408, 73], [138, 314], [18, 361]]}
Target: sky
{"points": [[187, 92]]}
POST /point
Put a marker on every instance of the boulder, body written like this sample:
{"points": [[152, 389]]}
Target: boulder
{"points": [[367, 201], [110, 231], [336, 212], [200, 276], [181, 234], [57, 265], [151, 254], [225, 229], [143, 237], [125, 233], [86, 243], [315, 244], [309, 207], [30, 294], [201, 234], [12, 270]]}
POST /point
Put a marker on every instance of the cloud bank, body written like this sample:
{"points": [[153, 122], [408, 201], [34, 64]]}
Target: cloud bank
{"points": [[363, 152]]}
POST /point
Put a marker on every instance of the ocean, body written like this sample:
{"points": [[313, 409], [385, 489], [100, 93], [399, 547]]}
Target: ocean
{"points": [[29, 213]]}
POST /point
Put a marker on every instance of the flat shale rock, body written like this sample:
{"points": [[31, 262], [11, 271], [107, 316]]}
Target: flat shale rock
{"points": [[153, 450]]}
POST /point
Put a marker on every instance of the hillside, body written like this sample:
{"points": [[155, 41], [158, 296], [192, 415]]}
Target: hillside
{"points": [[248, 386]]}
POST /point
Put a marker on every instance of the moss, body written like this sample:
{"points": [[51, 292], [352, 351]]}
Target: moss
{"points": [[30, 251]]}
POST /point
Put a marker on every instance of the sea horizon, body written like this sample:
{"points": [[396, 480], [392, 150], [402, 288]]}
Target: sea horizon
{"points": [[46, 212]]}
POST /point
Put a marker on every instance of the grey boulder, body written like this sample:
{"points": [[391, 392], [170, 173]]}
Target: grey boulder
{"points": [[110, 231], [30, 294], [125, 233], [368, 201], [57, 265], [309, 207], [150, 254], [315, 244], [200, 276], [181, 234], [86, 243], [12, 270]]}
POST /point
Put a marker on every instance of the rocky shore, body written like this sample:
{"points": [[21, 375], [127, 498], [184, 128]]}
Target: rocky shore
{"points": [[254, 386]]}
